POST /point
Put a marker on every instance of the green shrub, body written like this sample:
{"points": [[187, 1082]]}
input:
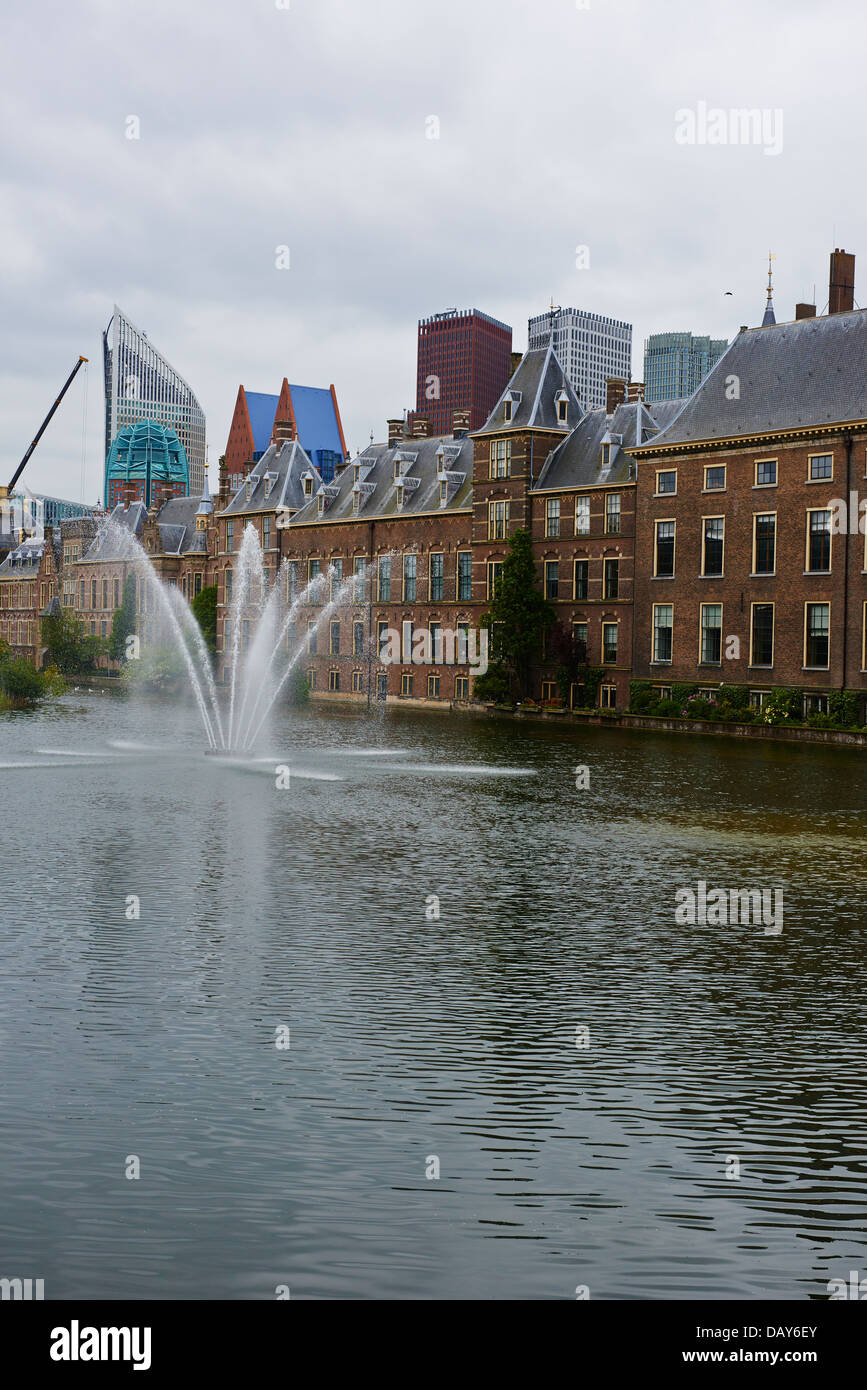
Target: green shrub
{"points": [[737, 696], [20, 682], [671, 709], [493, 685], [699, 707], [783, 706], [843, 709]]}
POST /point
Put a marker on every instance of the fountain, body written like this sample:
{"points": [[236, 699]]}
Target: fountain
{"points": [[259, 660]]}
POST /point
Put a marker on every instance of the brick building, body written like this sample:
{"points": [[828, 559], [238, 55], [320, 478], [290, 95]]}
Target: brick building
{"points": [[464, 363], [742, 574]]}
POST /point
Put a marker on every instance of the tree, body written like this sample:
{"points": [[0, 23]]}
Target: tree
{"points": [[204, 607], [69, 647], [123, 622], [20, 682], [519, 614]]}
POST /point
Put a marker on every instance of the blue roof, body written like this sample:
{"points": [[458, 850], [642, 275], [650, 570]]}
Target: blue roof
{"points": [[262, 410], [316, 419]]}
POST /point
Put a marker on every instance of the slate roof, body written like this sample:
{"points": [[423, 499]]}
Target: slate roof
{"points": [[791, 376], [287, 463], [424, 464], [132, 517], [577, 462], [23, 562], [539, 377]]}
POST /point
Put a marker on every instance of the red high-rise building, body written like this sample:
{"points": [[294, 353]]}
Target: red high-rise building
{"points": [[464, 363]]}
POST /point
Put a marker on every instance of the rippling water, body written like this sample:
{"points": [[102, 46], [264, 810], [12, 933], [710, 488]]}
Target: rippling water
{"points": [[414, 1039]]}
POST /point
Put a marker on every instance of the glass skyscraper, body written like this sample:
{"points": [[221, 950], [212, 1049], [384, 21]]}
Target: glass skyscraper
{"points": [[141, 385], [675, 364]]}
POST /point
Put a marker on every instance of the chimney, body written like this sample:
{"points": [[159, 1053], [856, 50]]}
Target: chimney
{"points": [[841, 285], [635, 391], [805, 311], [461, 422], [395, 430], [420, 427], [284, 432], [615, 390], [517, 358], [129, 491]]}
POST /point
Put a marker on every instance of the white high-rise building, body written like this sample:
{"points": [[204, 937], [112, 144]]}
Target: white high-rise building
{"points": [[591, 348], [141, 385]]}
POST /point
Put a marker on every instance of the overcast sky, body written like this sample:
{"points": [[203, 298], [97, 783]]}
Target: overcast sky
{"points": [[305, 123]]}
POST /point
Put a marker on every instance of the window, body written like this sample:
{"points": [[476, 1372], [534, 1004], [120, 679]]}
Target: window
{"points": [[312, 644], [360, 586], [334, 639], [436, 642], [507, 412], [819, 541], [715, 479], [436, 578], [764, 542], [385, 579], [230, 535], [356, 683], [562, 409], [462, 644], [611, 586], [80, 594], [117, 593], [663, 692], [104, 629], [817, 621], [308, 487], [405, 683], [606, 455], [612, 513], [462, 687], [227, 634], [358, 639], [552, 516], [663, 623], [314, 568], [245, 634], [92, 594], [757, 698], [609, 643], [495, 569], [105, 593], [320, 503], [433, 687], [549, 690], [582, 516], [266, 532], [336, 568], [815, 704], [582, 578], [711, 634], [608, 697], [552, 578], [465, 575], [382, 640], [409, 578], [444, 491], [311, 678], [666, 482], [197, 583], [381, 685], [501, 457], [712, 545], [498, 520], [663, 567], [766, 473], [579, 639], [291, 580], [821, 467], [333, 680], [762, 635]]}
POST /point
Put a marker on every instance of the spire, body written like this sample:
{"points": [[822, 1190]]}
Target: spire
{"points": [[206, 506], [770, 316]]}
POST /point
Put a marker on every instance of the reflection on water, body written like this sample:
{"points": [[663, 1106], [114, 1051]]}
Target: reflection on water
{"points": [[456, 1037]]}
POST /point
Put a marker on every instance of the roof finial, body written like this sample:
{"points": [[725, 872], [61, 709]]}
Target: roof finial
{"points": [[770, 317]]}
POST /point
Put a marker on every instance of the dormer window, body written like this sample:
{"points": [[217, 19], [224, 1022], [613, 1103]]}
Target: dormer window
{"points": [[320, 504], [562, 408], [356, 503], [606, 455], [508, 411], [308, 486], [444, 492], [400, 491], [396, 469], [249, 488], [357, 478]]}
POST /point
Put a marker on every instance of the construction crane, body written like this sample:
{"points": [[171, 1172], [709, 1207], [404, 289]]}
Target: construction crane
{"points": [[5, 491]]}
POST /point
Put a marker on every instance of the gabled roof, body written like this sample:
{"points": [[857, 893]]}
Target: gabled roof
{"points": [[261, 409], [539, 378], [577, 462], [789, 376], [421, 474], [286, 464]]}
